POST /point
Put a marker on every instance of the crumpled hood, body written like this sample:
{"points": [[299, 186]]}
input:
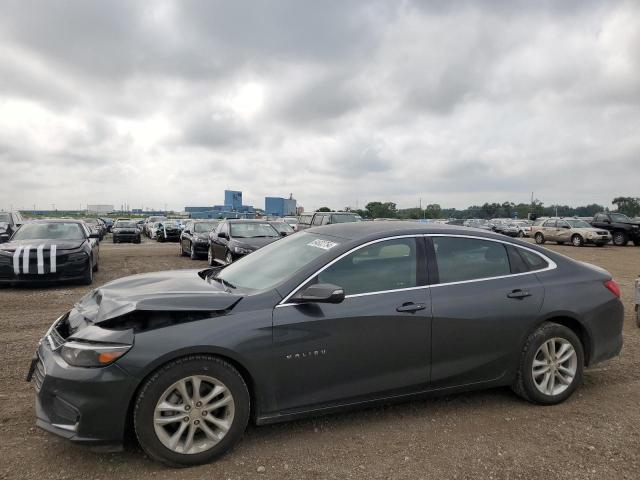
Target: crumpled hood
{"points": [[35, 243], [175, 290]]}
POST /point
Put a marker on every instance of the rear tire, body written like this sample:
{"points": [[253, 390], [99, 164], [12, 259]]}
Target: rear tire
{"points": [[215, 433], [577, 241], [620, 239], [562, 377], [539, 238]]}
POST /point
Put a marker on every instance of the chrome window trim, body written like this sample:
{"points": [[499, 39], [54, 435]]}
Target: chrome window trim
{"points": [[283, 302], [551, 266]]}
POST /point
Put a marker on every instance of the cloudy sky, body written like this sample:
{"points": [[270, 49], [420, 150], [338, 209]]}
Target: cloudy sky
{"points": [[338, 102]]}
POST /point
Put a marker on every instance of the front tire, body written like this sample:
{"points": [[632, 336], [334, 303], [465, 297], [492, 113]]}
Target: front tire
{"points": [[577, 241], [191, 411], [87, 278], [551, 365], [539, 238], [520, 234], [192, 252], [228, 258], [620, 239], [211, 259]]}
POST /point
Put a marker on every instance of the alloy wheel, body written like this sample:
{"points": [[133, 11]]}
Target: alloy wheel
{"points": [[229, 258], [194, 414], [554, 366]]}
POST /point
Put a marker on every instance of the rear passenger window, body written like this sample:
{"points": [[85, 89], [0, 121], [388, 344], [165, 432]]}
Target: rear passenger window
{"points": [[387, 265], [461, 259], [533, 260]]}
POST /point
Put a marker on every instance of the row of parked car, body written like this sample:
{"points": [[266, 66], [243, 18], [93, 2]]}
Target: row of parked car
{"points": [[600, 230]]}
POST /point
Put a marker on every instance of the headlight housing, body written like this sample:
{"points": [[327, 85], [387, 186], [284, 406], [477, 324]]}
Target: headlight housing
{"points": [[81, 354], [77, 256], [242, 250]]}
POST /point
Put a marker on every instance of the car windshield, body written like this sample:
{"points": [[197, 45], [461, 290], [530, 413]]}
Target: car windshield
{"points": [[204, 227], [49, 231], [282, 227], [269, 266], [252, 230], [619, 217], [291, 221], [578, 224], [125, 225], [92, 221], [345, 218], [4, 217]]}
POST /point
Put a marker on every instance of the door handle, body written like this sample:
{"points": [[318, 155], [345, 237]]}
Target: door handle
{"points": [[410, 307], [518, 294]]}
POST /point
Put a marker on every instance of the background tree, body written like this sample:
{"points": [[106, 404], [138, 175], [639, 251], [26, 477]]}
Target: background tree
{"points": [[628, 205], [324, 209], [381, 210]]}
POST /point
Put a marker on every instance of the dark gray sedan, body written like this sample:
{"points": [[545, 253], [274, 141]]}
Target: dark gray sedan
{"points": [[329, 318]]}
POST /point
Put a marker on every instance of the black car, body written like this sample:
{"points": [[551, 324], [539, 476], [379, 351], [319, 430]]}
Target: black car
{"points": [[97, 226], [125, 231], [194, 239], [50, 251], [168, 230], [622, 228], [322, 320], [9, 223], [233, 239]]}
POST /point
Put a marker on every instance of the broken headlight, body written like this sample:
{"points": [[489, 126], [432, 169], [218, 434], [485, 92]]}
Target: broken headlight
{"points": [[81, 354]]}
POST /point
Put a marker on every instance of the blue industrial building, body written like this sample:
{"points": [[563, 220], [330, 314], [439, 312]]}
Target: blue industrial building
{"points": [[233, 199], [279, 206], [232, 208]]}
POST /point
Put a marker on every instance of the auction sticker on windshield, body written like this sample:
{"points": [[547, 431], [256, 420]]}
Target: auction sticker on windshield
{"points": [[323, 244]]}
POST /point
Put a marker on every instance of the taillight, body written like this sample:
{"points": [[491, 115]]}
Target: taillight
{"points": [[613, 287]]}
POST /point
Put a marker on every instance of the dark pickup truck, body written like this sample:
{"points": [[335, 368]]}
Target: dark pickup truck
{"points": [[622, 228]]}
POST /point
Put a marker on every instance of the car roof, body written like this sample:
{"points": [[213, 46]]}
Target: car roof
{"points": [[246, 220], [359, 230]]}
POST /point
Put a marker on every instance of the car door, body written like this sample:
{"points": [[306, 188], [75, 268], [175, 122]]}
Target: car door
{"points": [[481, 310], [563, 231], [549, 230], [220, 243], [374, 343]]}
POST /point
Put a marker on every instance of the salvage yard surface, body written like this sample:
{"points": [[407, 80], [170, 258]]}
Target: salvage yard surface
{"points": [[489, 434]]}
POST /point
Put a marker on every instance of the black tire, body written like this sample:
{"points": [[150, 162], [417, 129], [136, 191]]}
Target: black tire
{"points": [[182, 252], [137, 240], [192, 252], [114, 240], [577, 240], [211, 259], [637, 317], [87, 278], [520, 234], [160, 238], [524, 385], [167, 375], [539, 238], [228, 257], [636, 243], [620, 239], [96, 267]]}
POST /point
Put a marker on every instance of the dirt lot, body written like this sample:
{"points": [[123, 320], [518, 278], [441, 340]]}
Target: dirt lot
{"points": [[491, 434]]}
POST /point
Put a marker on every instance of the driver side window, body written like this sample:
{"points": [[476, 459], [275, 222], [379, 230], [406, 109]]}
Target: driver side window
{"points": [[381, 266]]}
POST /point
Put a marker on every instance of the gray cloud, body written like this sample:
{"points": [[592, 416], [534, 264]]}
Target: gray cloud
{"points": [[456, 102]]}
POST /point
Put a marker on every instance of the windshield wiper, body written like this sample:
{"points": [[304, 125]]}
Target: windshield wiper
{"points": [[223, 282]]}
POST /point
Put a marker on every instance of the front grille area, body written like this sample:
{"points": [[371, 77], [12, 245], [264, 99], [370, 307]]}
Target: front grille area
{"points": [[38, 374]]}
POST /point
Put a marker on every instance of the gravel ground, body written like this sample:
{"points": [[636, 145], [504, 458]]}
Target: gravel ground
{"points": [[490, 434]]}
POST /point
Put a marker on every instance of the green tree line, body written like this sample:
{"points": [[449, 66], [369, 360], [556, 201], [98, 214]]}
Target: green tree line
{"points": [[627, 205]]}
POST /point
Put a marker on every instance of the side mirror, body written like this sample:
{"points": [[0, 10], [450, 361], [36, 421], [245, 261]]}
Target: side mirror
{"points": [[222, 235], [566, 226], [320, 293], [283, 234]]}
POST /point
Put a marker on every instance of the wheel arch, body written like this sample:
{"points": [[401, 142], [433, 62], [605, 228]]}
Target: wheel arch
{"points": [[575, 325], [222, 354]]}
